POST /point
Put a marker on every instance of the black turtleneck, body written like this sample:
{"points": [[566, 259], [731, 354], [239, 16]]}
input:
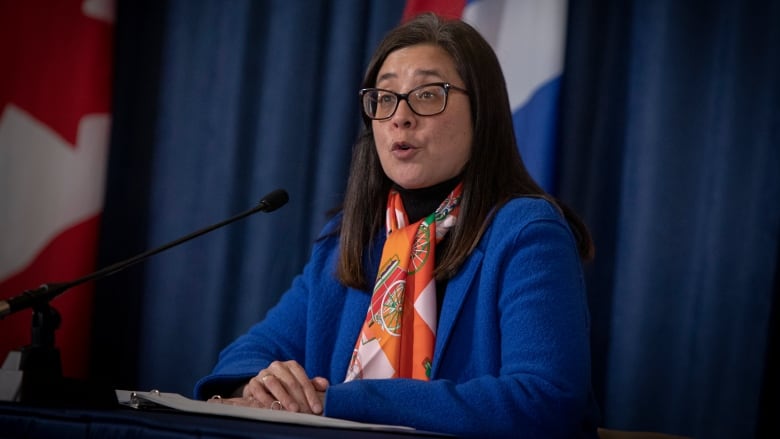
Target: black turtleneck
{"points": [[420, 203]]}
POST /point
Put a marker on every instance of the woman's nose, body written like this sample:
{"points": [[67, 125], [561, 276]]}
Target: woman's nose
{"points": [[404, 116]]}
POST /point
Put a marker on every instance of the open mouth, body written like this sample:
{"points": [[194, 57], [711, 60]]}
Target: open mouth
{"points": [[401, 146]]}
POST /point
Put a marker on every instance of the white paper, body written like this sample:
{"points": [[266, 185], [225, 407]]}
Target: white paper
{"points": [[179, 402]]}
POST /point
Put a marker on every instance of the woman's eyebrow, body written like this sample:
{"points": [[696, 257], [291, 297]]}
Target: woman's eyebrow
{"points": [[418, 73]]}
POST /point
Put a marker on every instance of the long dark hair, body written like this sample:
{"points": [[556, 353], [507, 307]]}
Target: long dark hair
{"points": [[494, 174]]}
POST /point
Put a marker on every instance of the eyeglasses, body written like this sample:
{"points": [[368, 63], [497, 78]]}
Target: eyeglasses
{"points": [[425, 100]]}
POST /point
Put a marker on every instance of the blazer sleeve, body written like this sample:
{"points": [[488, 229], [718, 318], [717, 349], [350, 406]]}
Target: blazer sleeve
{"points": [[278, 336]]}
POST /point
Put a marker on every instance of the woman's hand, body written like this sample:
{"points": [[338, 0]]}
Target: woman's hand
{"points": [[283, 385]]}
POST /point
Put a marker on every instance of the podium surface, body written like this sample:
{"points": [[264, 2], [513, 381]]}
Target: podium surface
{"points": [[33, 421]]}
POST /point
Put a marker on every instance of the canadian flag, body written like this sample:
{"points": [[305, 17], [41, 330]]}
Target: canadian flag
{"points": [[55, 83]]}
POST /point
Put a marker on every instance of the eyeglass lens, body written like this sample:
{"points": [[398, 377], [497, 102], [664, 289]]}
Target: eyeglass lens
{"points": [[426, 100]]}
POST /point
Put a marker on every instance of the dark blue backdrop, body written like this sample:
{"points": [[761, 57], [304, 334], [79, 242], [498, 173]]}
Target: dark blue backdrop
{"points": [[670, 149]]}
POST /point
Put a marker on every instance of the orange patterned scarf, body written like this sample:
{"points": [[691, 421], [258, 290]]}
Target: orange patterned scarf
{"points": [[399, 333]]}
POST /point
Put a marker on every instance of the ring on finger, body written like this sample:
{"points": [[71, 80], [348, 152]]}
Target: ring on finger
{"points": [[276, 405]]}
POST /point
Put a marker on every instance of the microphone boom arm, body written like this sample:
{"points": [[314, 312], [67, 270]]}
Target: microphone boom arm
{"points": [[48, 291]]}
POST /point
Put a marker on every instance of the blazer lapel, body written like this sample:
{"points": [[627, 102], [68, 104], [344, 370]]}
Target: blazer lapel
{"points": [[458, 288]]}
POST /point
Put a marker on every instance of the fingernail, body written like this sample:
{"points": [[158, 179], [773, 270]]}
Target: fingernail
{"points": [[317, 408]]}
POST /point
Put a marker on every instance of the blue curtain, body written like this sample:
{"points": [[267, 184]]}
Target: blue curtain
{"points": [[216, 104], [670, 149]]}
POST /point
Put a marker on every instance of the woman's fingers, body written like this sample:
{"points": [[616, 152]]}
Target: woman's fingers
{"points": [[309, 399], [285, 385], [281, 391], [320, 384], [256, 390], [296, 382]]}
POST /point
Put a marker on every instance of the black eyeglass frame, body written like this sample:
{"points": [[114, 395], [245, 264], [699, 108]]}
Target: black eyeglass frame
{"points": [[405, 96]]}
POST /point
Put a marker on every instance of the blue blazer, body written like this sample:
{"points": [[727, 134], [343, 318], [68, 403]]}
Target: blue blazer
{"points": [[512, 354]]}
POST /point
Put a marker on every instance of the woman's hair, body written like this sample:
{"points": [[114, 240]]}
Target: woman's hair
{"points": [[494, 174]]}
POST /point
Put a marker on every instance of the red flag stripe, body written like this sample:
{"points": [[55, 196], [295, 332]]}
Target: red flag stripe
{"points": [[445, 8]]}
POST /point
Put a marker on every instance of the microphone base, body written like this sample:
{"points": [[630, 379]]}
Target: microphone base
{"points": [[47, 387], [33, 374], [11, 377]]}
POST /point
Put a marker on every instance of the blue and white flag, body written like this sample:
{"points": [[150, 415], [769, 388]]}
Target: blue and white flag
{"points": [[529, 37]]}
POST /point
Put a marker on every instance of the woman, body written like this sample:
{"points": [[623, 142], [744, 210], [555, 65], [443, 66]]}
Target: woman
{"points": [[447, 295]]}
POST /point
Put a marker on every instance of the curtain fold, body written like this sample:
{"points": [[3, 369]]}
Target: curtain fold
{"points": [[671, 146], [240, 100]]}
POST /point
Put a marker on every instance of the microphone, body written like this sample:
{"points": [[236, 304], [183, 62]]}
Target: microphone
{"points": [[34, 373], [46, 292], [274, 200]]}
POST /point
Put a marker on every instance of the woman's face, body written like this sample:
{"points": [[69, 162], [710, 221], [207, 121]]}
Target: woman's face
{"points": [[421, 151]]}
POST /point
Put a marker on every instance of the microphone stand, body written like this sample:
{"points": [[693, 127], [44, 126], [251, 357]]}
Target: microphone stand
{"points": [[34, 373]]}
